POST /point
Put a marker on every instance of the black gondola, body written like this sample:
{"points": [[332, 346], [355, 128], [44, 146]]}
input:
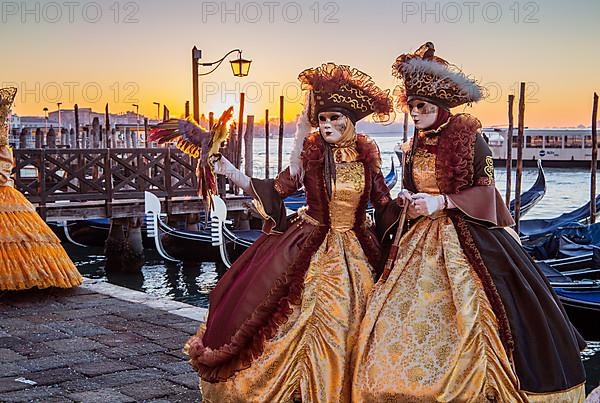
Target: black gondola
{"points": [[533, 195], [540, 227], [177, 240], [580, 296], [90, 232], [217, 241]]}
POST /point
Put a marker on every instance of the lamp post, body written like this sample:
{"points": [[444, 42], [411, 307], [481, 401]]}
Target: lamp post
{"points": [[157, 110], [240, 68]]}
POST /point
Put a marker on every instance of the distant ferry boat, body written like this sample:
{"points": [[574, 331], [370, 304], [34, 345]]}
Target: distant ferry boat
{"points": [[555, 147]]}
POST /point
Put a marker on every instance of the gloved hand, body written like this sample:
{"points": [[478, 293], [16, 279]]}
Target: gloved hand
{"points": [[426, 204], [405, 196], [223, 166]]}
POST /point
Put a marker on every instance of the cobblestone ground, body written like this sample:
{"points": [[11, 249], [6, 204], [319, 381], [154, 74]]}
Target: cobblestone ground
{"points": [[79, 345]]}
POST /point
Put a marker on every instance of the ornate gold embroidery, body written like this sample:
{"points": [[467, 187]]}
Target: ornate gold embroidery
{"points": [[6, 164], [489, 168], [483, 181], [439, 129], [352, 173], [470, 249], [3, 134], [7, 96], [303, 215], [313, 348], [431, 141], [260, 209], [365, 104], [349, 186], [345, 150], [278, 188], [429, 327], [424, 172], [420, 82]]}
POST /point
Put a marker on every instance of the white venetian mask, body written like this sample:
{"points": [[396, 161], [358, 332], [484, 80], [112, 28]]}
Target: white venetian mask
{"points": [[332, 126], [423, 113]]}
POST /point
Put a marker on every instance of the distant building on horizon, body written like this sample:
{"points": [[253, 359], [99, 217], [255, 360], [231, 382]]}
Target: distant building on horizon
{"points": [[67, 119], [87, 115]]}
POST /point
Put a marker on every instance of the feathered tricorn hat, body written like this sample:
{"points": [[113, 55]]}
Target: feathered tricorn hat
{"points": [[347, 90], [433, 79], [7, 96]]}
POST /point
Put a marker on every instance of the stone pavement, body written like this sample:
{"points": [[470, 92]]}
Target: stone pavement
{"points": [[95, 343]]}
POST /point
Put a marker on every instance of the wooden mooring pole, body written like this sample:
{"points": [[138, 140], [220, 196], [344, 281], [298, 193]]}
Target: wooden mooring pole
{"points": [[123, 248], [509, 138], [235, 146], [146, 132], [78, 140], [107, 128], [405, 128], [280, 143], [519, 177], [594, 160], [221, 180], [51, 138], [39, 138], [240, 132], [248, 146], [266, 144]]}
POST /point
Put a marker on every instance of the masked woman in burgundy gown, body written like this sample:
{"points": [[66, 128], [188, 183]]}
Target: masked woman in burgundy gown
{"points": [[464, 315], [282, 321]]}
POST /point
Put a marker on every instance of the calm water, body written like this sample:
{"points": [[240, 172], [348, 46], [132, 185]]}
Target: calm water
{"points": [[567, 189]]}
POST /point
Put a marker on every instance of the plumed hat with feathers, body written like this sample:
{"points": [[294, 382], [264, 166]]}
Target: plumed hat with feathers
{"points": [[426, 76], [341, 87]]}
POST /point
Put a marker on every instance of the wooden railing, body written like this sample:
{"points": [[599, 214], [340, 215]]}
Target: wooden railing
{"points": [[105, 175]]}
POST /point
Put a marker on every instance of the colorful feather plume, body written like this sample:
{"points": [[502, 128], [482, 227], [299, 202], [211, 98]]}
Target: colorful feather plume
{"points": [[199, 143]]}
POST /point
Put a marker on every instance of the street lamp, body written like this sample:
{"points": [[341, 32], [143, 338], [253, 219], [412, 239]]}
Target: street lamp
{"points": [[240, 68], [137, 112]]}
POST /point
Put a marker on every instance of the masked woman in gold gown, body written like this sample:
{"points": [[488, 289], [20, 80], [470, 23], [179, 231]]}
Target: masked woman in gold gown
{"points": [[282, 321], [464, 315], [30, 253]]}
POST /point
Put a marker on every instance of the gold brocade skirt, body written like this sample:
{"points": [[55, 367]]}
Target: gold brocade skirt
{"points": [[429, 333], [309, 358], [30, 253]]}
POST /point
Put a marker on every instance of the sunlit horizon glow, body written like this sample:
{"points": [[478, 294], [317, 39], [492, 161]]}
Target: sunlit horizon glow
{"points": [[551, 45]]}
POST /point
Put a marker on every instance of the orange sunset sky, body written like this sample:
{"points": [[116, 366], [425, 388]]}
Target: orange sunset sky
{"points": [[139, 52]]}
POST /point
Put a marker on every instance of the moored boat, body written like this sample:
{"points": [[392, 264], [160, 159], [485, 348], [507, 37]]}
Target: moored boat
{"points": [[174, 244], [555, 147], [580, 298], [216, 241]]}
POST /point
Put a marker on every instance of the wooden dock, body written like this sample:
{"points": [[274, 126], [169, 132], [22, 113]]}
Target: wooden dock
{"points": [[75, 184]]}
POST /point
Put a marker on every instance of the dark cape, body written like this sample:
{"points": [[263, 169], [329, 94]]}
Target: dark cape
{"points": [[257, 293], [541, 342]]}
